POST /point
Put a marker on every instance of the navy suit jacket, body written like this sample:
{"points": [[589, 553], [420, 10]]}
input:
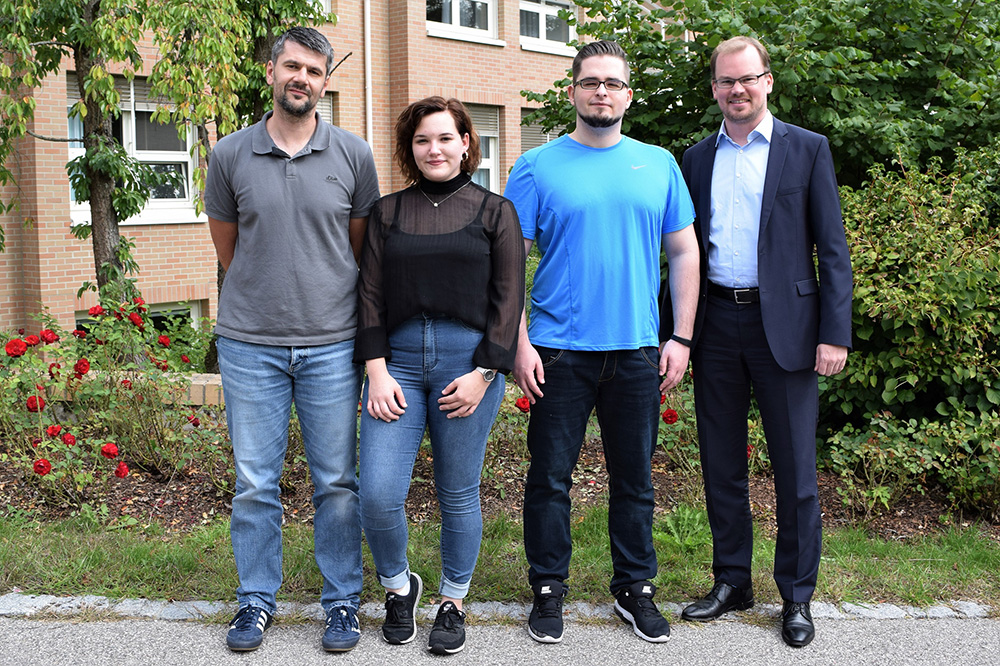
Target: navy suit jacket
{"points": [[801, 228]]}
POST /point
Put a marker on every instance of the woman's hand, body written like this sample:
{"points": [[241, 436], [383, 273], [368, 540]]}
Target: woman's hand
{"points": [[385, 395], [462, 396]]}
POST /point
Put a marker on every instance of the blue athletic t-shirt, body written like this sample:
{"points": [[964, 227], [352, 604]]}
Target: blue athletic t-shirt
{"points": [[597, 216]]}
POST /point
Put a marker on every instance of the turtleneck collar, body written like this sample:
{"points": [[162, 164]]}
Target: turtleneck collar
{"points": [[444, 187]]}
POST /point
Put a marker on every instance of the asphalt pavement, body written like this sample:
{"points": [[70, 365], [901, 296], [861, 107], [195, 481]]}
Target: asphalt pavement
{"points": [[54, 631]]}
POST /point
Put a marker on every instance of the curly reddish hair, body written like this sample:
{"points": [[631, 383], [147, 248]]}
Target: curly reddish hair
{"points": [[409, 120]]}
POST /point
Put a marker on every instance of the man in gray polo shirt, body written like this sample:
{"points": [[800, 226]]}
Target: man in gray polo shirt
{"points": [[288, 202]]}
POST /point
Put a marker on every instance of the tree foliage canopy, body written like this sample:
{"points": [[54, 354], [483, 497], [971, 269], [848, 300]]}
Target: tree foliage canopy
{"points": [[207, 69], [880, 78]]}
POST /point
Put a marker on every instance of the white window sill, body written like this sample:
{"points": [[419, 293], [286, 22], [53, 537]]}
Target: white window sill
{"points": [[153, 214], [546, 46], [445, 31]]}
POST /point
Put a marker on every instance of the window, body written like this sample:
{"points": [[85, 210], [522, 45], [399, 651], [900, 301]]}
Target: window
{"points": [[543, 30], [533, 135], [470, 20], [486, 120], [153, 144]]}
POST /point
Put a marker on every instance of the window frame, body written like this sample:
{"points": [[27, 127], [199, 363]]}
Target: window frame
{"points": [[455, 30], [543, 8], [156, 211]]}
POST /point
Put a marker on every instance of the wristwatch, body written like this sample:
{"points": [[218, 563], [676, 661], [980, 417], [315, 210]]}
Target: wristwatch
{"points": [[488, 375]]}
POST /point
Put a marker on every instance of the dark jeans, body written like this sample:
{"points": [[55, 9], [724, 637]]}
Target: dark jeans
{"points": [[623, 386]]}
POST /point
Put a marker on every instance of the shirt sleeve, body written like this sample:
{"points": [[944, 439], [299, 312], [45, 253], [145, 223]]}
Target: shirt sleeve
{"points": [[521, 191], [219, 197], [372, 339], [506, 292]]}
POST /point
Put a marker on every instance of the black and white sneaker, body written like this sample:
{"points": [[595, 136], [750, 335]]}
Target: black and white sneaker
{"points": [[635, 606], [448, 634], [401, 613], [246, 631], [545, 623]]}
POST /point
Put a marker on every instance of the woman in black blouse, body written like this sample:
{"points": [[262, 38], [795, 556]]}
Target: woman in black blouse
{"points": [[440, 298]]}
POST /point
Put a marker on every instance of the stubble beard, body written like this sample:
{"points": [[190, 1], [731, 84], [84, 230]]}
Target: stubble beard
{"points": [[303, 109]]}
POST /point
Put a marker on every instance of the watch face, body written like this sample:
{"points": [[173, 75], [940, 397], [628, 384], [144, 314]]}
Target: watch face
{"points": [[489, 375]]}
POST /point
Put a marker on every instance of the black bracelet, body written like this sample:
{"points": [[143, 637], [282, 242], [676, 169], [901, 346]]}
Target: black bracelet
{"points": [[683, 341]]}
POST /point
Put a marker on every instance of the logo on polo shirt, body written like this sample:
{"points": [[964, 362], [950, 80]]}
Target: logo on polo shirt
{"points": [[331, 178]]}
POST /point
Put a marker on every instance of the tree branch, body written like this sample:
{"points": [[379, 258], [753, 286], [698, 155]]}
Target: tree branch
{"points": [[52, 138]]}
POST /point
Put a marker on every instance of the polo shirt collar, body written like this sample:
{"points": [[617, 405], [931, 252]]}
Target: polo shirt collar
{"points": [[263, 144]]}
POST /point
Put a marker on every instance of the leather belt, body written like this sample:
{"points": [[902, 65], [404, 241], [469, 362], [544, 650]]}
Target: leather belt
{"points": [[742, 296]]}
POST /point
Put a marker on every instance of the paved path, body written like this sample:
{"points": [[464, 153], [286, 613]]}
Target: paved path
{"points": [[51, 631]]}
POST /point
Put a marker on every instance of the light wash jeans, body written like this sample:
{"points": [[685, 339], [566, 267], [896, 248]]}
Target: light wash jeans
{"points": [[260, 383], [428, 353]]}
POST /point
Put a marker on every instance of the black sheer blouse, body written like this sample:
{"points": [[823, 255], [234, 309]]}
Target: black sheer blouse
{"points": [[462, 259]]}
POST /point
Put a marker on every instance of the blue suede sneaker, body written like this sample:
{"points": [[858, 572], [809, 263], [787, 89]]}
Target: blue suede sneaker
{"points": [[246, 631], [342, 629]]}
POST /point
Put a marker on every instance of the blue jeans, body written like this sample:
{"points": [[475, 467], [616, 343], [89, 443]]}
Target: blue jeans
{"points": [[624, 387], [260, 383], [428, 353]]}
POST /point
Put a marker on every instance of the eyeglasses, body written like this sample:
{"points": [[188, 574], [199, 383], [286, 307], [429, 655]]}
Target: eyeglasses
{"points": [[745, 81], [594, 84]]}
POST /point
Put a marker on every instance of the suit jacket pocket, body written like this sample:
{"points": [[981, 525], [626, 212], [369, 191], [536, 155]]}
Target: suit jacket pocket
{"points": [[807, 287]]}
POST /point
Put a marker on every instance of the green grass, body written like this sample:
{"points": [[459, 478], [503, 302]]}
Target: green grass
{"points": [[80, 556]]}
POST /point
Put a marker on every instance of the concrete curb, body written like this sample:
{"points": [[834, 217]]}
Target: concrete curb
{"points": [[16, 604]]}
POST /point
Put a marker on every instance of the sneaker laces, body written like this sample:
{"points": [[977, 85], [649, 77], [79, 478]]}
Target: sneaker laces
{"points": [[448, 617], [245, 618], [396, 609], [549, 605], [646, 606], [339, 619]]}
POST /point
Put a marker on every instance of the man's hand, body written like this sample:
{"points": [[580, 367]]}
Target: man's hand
{"points": [[830, 359], [673, 363], [528, 371]]}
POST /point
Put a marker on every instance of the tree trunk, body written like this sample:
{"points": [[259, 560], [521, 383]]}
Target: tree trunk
{"points": [[97, 131]]}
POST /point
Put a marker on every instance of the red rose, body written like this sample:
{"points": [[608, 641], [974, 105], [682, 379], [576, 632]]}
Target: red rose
{"points": [[35, 441], [32, 340], [663, 398], [523, 404], [163, 340], [68, 439], [669, 416], [99, 341], [138, 301], [749, 451], [122, 470], [136, 319], [161, 364], [126, 383], [109, 450], [35, 403], [81, 367], [193, 420], [54, 370], [42, 467], [79, 334], [185, 359], [48, 336], [15, 347], [95, 311], [53, 430]]}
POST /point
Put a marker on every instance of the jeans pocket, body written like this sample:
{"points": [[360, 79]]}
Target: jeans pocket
{"points": [[549, 355], [651, 355]]}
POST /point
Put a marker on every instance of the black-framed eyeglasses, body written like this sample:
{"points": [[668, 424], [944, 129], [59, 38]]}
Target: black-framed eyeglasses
{"points": [[594, 84], [745, 81]]}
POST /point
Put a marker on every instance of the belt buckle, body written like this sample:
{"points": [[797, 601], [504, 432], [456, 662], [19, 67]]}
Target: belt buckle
{"points": [[736, 296]]}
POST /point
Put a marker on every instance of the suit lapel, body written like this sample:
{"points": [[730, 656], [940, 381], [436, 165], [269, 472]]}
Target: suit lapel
{"points": [[704, 203], [775, 163]]}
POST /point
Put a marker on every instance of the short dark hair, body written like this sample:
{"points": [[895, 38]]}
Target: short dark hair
{"points": [[736, 44], [310, 38], [406, 127], [591, 49]]}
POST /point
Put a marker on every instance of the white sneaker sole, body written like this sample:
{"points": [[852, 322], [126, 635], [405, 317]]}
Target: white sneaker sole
{"points": [[625, 615], [544, 638]]}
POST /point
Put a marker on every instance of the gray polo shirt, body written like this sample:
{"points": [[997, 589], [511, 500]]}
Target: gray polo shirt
{"points": [[293, 278]]}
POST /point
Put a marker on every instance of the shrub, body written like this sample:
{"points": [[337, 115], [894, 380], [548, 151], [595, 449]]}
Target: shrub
{"points": [[926, 294]]}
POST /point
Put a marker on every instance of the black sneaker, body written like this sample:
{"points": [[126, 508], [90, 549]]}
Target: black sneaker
{"points": [[545, 624], [401, 613], [635, 605], [448, 634], [246, 631]]}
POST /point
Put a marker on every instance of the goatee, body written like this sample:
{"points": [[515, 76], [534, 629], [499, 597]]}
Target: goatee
{"points": [[600, 122]]}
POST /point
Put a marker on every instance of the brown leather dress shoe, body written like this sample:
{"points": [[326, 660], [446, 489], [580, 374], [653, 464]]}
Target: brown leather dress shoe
{"points": [[722, 599], [797, 628]]}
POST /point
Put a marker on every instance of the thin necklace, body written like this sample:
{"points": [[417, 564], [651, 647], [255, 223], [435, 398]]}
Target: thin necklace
{"points": [[438, 203]]}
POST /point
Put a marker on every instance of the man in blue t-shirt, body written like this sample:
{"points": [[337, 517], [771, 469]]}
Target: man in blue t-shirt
{"points": [[600, 206]]}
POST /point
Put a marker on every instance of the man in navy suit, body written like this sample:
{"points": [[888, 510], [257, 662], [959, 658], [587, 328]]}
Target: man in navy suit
{"points": [[768, 214]]}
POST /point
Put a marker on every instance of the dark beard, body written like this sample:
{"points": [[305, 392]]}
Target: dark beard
{"points": [[600, 122], [297, 111]]}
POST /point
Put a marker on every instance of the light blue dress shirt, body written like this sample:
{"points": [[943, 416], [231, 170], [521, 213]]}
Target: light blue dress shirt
{"points": [[737, 191]]}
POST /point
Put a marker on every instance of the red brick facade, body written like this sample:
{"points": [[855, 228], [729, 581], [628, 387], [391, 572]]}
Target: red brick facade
{"points": [[44, 264]]}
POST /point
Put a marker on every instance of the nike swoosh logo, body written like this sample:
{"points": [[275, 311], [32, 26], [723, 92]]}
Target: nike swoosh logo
{"points": [[638, 167]]}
